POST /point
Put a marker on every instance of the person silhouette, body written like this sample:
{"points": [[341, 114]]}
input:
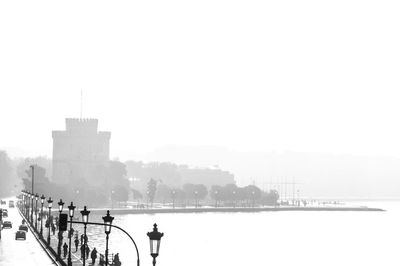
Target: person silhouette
{"points": [[76, 241], [65, 248], [117, 262], [93, 255]]}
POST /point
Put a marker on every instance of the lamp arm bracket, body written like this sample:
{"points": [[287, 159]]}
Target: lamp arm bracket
{"points": [[92, 223]]}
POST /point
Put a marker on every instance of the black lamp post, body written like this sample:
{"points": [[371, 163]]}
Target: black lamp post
{"points": [[42, 198], [32, 198], [27, 198], [27, 205], [60, 233], [36, 218], [50, 204], [23, 202], [33, 189], [155, 239], [23, 198], [108, 219], [71, 209], [85, 218], [30, 206]]}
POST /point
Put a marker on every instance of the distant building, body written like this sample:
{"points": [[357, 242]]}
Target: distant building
{"points": [[79, 151]]}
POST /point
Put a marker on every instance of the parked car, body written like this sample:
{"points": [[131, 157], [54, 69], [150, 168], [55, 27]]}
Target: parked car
{"points": [[5, 213], [7, 224], [20, 234], [11, 204], [23, 227], [3, 202]]}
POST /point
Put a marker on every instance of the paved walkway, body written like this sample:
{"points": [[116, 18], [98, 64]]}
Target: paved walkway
{"points": [[19, 252]]}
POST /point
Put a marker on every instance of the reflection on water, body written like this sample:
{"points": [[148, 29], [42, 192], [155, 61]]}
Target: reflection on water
{"points": [[268, 238]]}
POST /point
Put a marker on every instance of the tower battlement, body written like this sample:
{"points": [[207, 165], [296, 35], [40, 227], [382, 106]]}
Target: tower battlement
{"points": [[79, 150], [88, 125]]}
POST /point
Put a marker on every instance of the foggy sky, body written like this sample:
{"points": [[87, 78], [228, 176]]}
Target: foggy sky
{"points": [[308, 76]]}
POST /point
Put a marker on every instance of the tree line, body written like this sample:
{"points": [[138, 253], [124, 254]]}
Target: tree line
{"points": [[198, 194]]}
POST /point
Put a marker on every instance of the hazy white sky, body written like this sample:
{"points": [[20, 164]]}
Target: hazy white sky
{"points": [[247, 75]]}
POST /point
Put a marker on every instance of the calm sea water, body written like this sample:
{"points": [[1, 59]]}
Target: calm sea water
{"points": [[267, 238]]}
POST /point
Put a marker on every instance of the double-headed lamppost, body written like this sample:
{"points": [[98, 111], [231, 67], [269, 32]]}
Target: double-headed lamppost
{"points": [[155, 239], [50, 204], [42, 198], [108, 219], [85, 219], [71, 209], [36, 218], [60, 233]]}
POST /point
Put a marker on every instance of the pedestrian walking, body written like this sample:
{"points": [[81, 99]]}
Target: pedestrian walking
{"points": [[76, 241], [82, 251], [117, 262], [65, 248], [53, 229], [82, 239], [93, 255], [87, 251]]}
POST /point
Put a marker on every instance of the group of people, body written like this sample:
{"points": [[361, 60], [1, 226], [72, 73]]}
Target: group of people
{"points": [[85, 250]]}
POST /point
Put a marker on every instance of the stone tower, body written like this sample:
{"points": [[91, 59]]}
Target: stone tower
{"points": [[79, 151]]}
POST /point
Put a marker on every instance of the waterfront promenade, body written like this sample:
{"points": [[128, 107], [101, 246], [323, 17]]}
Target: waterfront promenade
{"points": [[231, 209]]}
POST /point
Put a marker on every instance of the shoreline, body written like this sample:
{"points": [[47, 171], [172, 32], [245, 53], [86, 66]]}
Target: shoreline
{"points": [[230, 210]]}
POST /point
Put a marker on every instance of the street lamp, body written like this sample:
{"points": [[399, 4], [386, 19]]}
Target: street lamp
{"points": [[23, 198], [60, 206], [32, 198], [216, 198], [42, 198], [71, 209], [173, 198], [60, 233], [33, 182], [36, 218], [155, 239], [195, 194], [50, 204], [108, 219], [85, 218], [27, 205], [234, 198]]}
